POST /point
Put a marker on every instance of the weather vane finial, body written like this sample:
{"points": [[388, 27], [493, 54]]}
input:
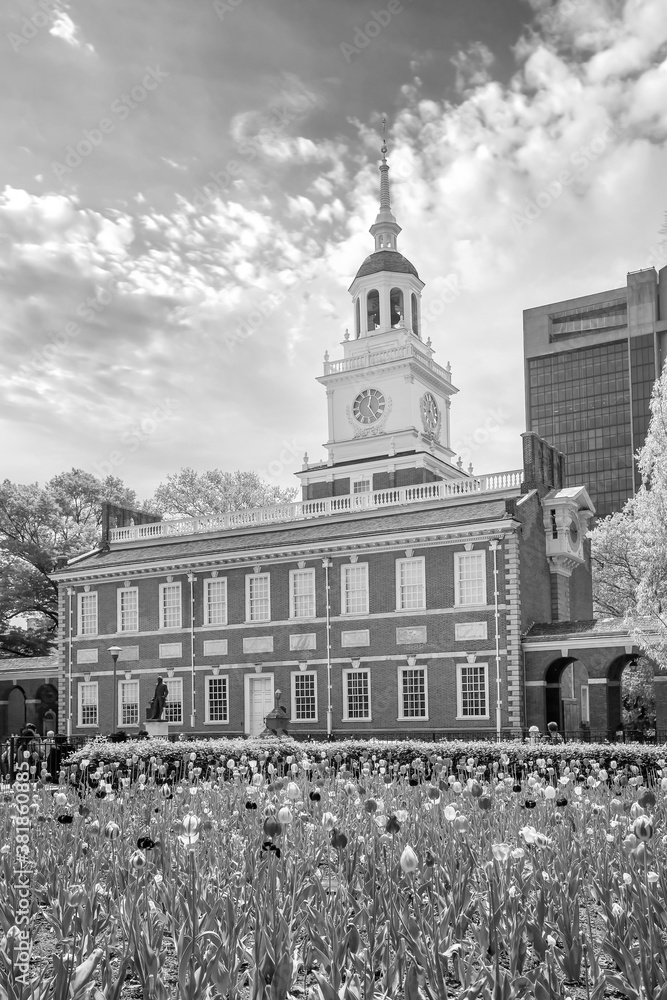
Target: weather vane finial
{"points": [[383, 150]]}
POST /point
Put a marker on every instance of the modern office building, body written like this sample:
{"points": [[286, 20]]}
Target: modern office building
{"points": [[590, 365]]}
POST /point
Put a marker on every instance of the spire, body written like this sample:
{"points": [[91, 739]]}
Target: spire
{"points": [[385, 229]]}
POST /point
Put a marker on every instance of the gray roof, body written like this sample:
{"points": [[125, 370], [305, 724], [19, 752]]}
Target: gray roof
{"points": [[386, 260], [321, 530], [32, 664], [593, 627]]}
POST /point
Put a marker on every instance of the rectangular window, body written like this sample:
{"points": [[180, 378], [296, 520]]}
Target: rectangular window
{"points": [[354, 589], [413, 693], [410, 584], [302, 593], [87, 614], [304, 696], [215, 602], [217, 699], [88, 715], [356, 695], [173, 706], [128, 703], [472, 691], [361, 486], [257, 598], [470, 578], [585, 706], [128, 609], [170, 605]]}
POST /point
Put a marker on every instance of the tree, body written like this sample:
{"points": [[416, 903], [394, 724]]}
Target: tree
{"points": [[38, 525], [188, 493], [638, 695], [630, 548]]}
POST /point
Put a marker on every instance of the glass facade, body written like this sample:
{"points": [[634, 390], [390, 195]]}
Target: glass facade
{"points": [[642, 360], [579, 401]]}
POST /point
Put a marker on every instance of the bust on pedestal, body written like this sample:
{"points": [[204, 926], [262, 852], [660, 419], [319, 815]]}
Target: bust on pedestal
{"points": [[154, 724]]}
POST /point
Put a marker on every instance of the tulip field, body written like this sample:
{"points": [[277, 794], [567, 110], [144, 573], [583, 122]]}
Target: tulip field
{"points": [[162, 871]]}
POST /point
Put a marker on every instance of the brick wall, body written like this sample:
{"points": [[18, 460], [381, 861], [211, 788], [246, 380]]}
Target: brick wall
{"points": [[534, 569]]}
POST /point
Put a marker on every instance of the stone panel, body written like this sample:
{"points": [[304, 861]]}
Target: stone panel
{"points": [[470, 630], [305, 640], [360, 637], [409, 636], [258, 644]]}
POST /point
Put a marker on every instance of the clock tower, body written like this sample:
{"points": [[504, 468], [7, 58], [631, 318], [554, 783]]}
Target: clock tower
{"points": [[388, 400]]}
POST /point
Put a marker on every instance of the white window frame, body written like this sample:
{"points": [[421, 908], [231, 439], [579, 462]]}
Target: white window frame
{"points": [[343, 602], [248, 608], [178, 589], [346, 716], [208, 721], [92, 686], [402, 717], [119, 623], [122, 684], [207, 587], [310, 572], [460, 667], [303, 673], [81, 597], [459, 558], [356, 481], [171, 681], [399, 568], [585, 702]]}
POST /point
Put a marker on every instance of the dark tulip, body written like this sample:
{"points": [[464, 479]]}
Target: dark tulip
{"points": [[65, 818], [277, 851], [392, 825], [249, 805], [530, 803], [84, 811], [145, 843], [413, 781], [562, 801], [338, 840], [315, 796], [101, 794], [516, 787]]}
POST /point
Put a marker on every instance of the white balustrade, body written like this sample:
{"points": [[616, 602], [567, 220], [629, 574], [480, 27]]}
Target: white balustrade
{"points": [[386, 356], [305, 509]]}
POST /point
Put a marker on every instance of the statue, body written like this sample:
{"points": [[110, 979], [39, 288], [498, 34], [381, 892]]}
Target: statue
{"points": [[156, 707]]}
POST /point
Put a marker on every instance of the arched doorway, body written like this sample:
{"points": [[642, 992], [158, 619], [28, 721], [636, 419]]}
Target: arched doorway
{"points": [[566, 695], [47, 708], [630, 696], [15, 711]]}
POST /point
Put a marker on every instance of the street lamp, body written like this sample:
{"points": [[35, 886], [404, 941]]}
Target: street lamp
{"points": [[114, 650]]}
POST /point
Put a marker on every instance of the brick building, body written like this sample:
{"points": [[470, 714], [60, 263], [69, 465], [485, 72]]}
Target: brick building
{"points": [[401, 594]]}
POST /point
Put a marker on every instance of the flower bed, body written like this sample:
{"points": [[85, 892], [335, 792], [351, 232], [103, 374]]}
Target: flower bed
{"points": [[491, 871]]}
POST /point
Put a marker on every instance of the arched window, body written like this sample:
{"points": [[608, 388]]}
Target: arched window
{"points": [[396, 307], [357, 318], [373, 309], [415, 315]]}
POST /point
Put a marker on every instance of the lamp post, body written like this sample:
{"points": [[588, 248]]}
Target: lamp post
{"points": [[114, 650]]}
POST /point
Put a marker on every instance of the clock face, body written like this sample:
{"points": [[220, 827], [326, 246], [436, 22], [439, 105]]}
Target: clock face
{"points": [[574, 533], [430, 411], [369, 406]]}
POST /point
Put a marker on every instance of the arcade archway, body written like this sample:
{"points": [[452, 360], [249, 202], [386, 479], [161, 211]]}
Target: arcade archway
{"points": [[567, 695], [15, 711]]}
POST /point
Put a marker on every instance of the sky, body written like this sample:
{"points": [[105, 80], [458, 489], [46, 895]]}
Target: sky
{"points": [[186, 188]]}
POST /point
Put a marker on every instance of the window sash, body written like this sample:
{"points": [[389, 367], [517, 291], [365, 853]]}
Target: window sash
{"points": [[585, 704], [128, 609], [414, 701], [128, 703], [302, 593], [410, 585], [304, 696], [473, 691], [173, 706], [88, 703], [354, 585], [170, 605], [470, 578], [215, 602], [88, 614], [217, 699], [258, 598], [357, 690]]}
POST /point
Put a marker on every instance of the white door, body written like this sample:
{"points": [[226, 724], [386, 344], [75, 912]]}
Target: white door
{"points": [[260, 701]]}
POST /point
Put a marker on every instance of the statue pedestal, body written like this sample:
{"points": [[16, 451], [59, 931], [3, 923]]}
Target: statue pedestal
{"points": [[156, 727]]}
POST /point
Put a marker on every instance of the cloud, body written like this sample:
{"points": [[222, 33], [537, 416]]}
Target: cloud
{"points": [[63, 27]]}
